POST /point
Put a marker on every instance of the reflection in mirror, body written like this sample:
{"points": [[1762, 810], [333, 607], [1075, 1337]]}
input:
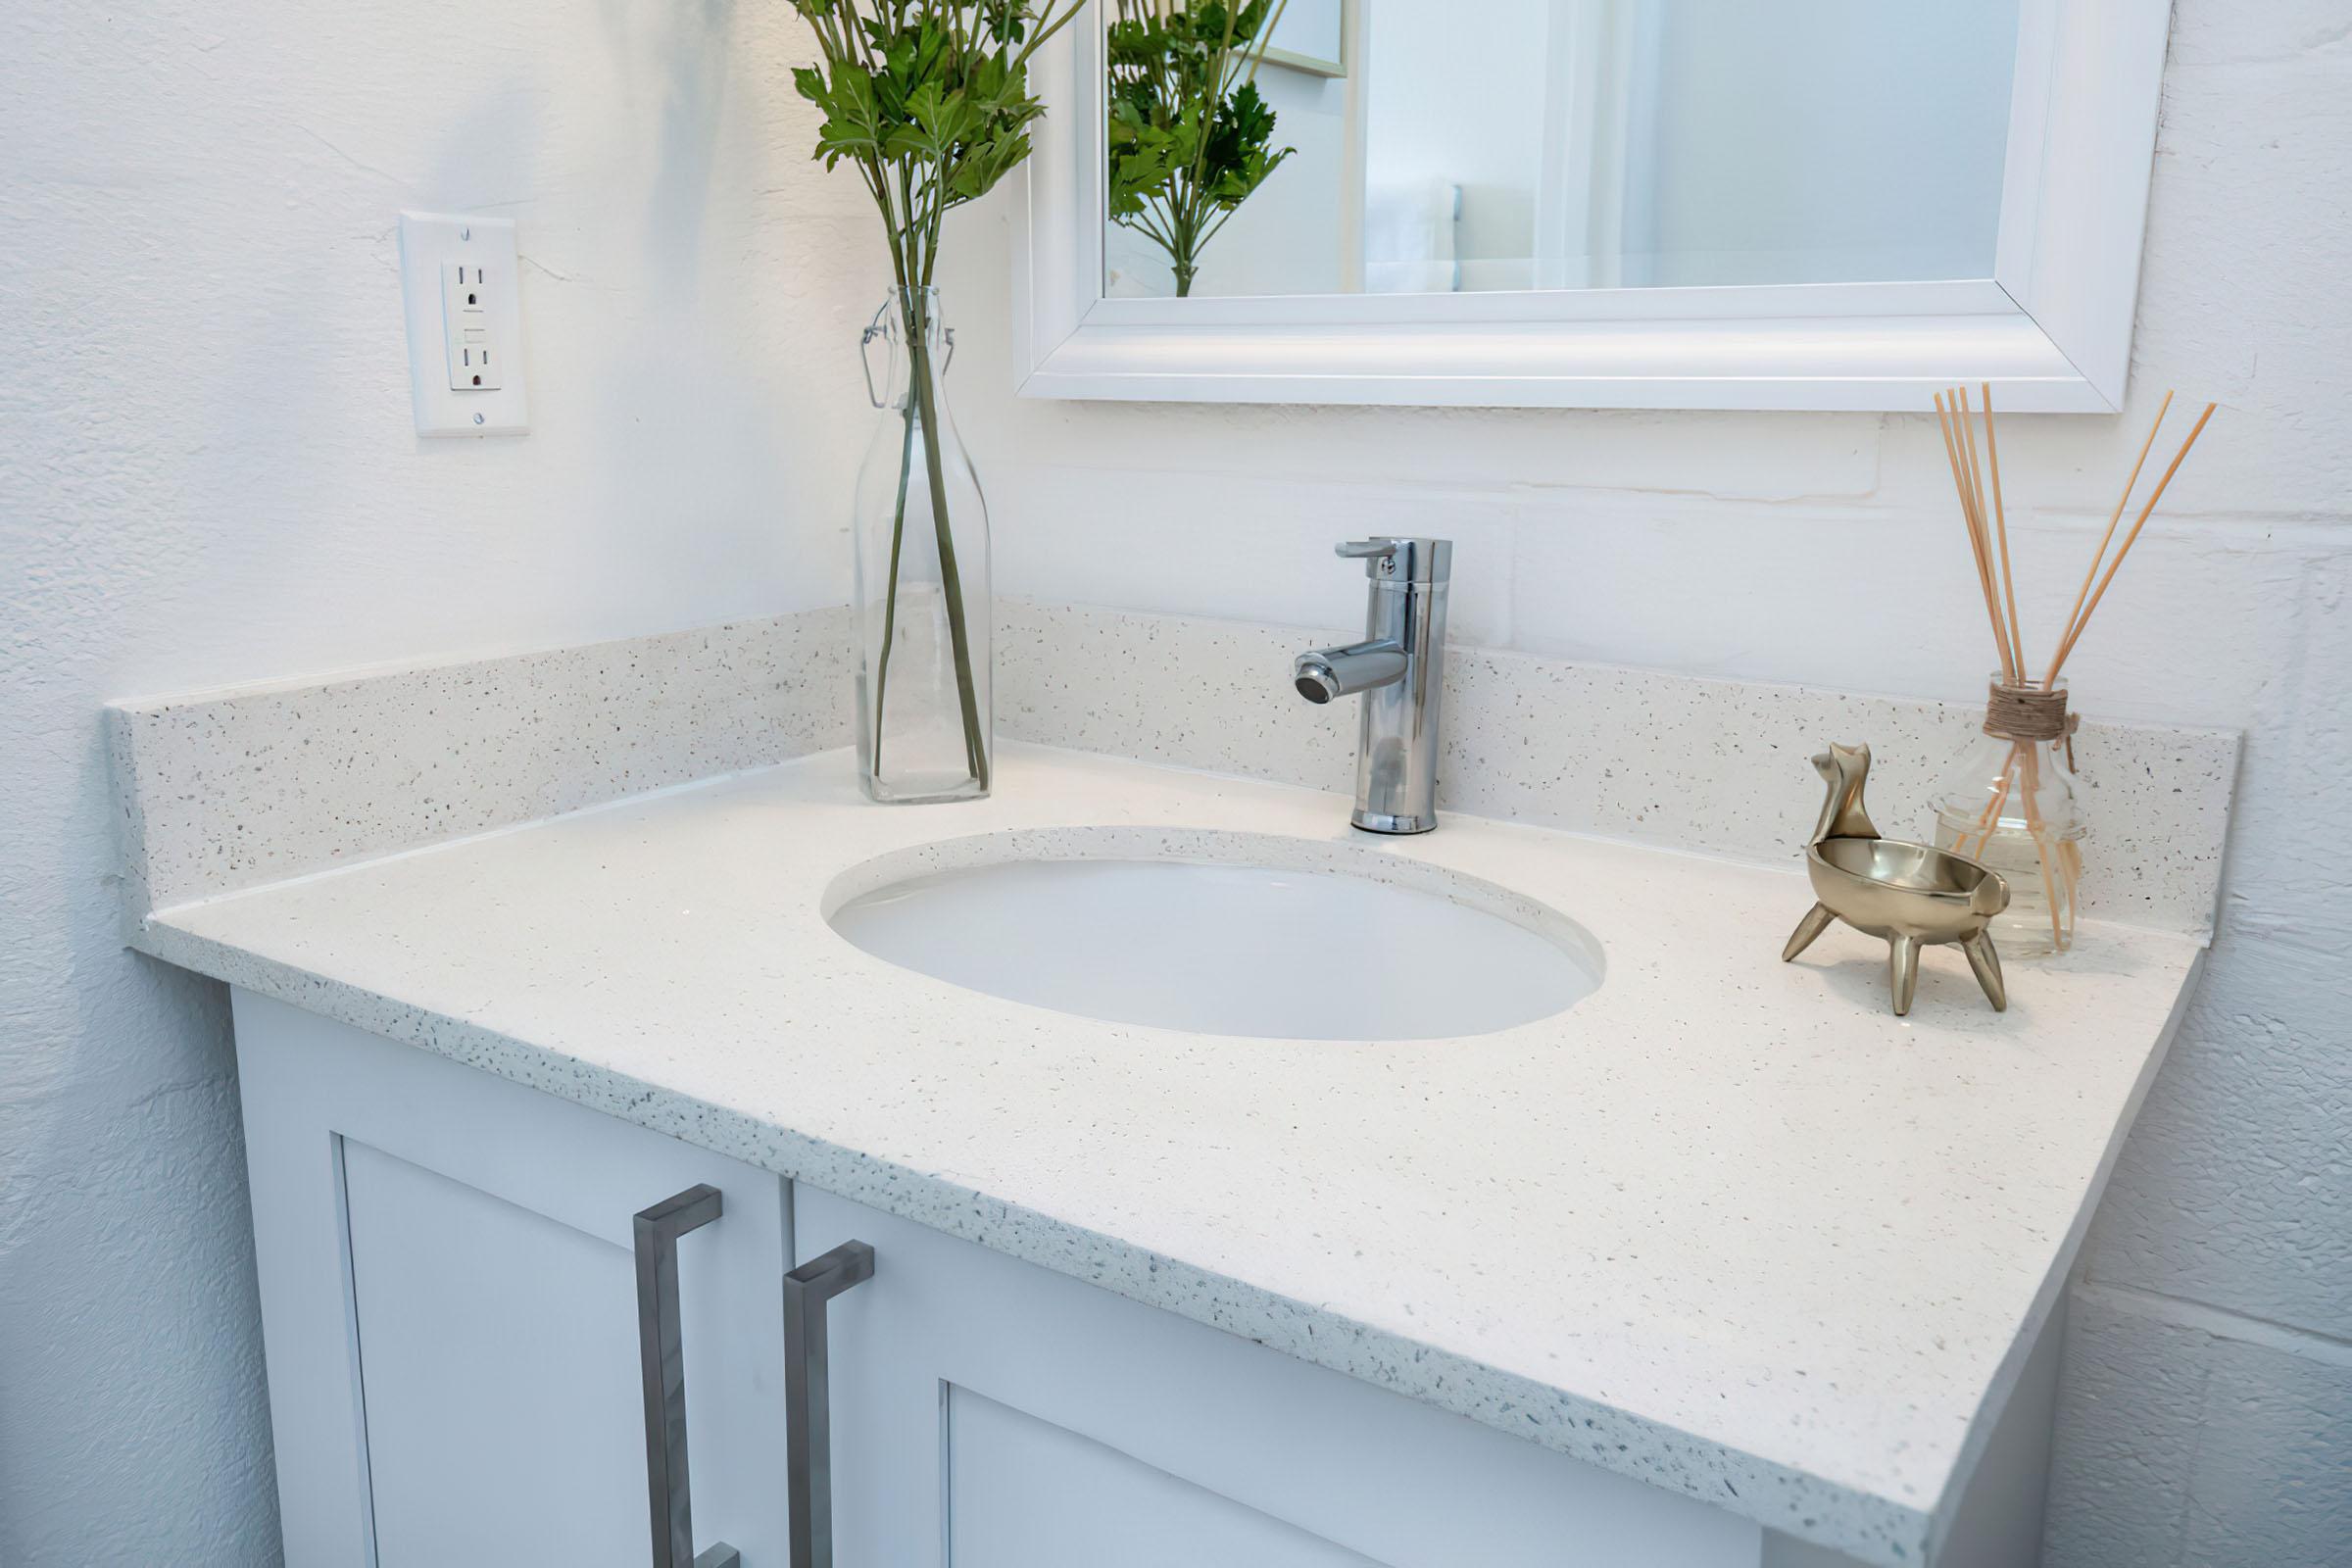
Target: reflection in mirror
{"points": [[1190, 136], [1424, 146]]}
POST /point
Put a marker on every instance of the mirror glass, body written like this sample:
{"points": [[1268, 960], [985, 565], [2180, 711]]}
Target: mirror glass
{"points": [[1292, 147]]}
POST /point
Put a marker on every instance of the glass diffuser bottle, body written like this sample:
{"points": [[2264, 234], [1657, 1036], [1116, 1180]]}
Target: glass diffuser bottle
{"points": [[2009, 800]]}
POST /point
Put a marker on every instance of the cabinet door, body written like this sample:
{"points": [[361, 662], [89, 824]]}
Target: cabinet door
{"points": [[448, 1303], [988, 1413]]}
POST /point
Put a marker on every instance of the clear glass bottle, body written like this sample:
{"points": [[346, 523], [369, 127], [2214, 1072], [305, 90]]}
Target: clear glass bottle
{"points": [[2010, 801], [919, 551]]}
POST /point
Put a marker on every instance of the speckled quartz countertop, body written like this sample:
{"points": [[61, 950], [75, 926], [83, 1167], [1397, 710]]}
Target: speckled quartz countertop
{"points": [[1727, 1225]]}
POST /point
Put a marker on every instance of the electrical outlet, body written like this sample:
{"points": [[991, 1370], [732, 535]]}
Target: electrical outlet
{"points": [[475, 362], [464, 320]]}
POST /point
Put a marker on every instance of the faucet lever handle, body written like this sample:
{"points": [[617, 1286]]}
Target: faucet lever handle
{"points": [[1400, 559]]}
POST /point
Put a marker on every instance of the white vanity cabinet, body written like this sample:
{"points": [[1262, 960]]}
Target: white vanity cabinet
{"points": [[988, 1413], [450, 1309], [453, 1326]]}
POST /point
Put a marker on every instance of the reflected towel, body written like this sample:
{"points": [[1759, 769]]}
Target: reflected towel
{"points": [[1409, 237]]}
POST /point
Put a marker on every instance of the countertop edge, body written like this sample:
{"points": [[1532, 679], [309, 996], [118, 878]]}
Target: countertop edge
{"points": [[2063, 1266], [1873, 1528]]}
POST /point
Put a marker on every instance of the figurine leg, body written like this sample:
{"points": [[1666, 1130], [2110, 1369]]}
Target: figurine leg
{"points": [[1816, 922], [1902, 971], [1987, 964]]}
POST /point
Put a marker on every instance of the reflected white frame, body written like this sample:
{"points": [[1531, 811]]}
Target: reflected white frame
{"points": [[1317, 65], [2051, 330]]}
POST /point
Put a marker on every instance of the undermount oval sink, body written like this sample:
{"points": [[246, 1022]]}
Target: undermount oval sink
{"points": [[1220, 934]]}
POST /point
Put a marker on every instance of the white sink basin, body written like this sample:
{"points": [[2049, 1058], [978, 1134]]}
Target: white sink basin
{"points": [[1215, 943]]}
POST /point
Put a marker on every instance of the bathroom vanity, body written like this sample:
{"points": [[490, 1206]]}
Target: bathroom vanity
{"points": [[1720, 1264], [455, 1362]]}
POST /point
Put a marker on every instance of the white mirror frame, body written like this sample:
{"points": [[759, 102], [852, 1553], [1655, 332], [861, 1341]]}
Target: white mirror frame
{"points": [[2051, 330]]}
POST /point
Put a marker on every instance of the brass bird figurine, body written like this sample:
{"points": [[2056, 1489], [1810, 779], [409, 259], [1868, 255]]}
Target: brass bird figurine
{"points": [[1907, 893]]}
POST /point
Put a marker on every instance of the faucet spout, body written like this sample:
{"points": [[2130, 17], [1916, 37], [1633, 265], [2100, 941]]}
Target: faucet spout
{"points": [[1330, 672]]}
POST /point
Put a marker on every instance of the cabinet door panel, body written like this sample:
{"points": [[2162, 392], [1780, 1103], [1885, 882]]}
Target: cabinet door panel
{"points": [[1031, 1495], [497, 1354], [1153, 1424], [449, 1307]]}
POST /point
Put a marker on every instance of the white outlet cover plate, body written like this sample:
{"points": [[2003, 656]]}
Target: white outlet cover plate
{"points": [[429, 242]]}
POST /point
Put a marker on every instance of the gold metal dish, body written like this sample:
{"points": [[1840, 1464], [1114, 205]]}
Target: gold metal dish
{"points": [[1909, 894]]}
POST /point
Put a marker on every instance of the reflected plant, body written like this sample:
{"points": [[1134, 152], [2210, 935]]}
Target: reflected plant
{"points": [[929, 101], [1191, 137]]}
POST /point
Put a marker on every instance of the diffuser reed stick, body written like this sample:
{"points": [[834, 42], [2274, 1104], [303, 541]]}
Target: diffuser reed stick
{"points": [[1983, 534], [2074, 633], [2116, 516], [1968, 515], [2001, 515], [2021, 758]]}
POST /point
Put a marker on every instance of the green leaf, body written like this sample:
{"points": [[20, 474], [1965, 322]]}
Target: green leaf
{"points": [[930, 96]]}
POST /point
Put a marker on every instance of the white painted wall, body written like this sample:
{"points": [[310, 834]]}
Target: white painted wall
{"points": [[208, 474], [194, 188], [1824, 548]]}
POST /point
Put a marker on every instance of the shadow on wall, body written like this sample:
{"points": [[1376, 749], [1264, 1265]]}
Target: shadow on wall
{"points": [[688, 48]]}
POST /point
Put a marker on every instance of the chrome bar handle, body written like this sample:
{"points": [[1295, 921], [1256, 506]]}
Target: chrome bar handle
{"points": [[660, 1348], [807, 1408]]}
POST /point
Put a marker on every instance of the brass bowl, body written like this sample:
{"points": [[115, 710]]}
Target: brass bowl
{"points": [[1907, 893], [1933, 894]]}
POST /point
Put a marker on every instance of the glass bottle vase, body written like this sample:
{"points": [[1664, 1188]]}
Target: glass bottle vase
{"points": [[2010, 801], [919, 552]]}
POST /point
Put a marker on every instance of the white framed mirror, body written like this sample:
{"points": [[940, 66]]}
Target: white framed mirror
{"points": [[1647, 204]]}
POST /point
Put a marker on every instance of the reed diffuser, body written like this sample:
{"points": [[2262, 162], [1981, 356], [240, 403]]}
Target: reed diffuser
{"points": [[2010, 801]]}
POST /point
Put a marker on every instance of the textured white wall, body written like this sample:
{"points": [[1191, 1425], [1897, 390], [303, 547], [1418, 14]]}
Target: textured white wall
{"points": [[1824, 549], [208, 474], [211, 477]]}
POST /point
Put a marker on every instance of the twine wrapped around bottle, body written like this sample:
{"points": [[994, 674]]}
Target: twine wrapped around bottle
{"points": [[2029, 715]]}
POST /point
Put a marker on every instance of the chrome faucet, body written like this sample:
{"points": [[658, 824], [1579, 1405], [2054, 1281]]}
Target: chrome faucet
{"points": [[1401, 668]]}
